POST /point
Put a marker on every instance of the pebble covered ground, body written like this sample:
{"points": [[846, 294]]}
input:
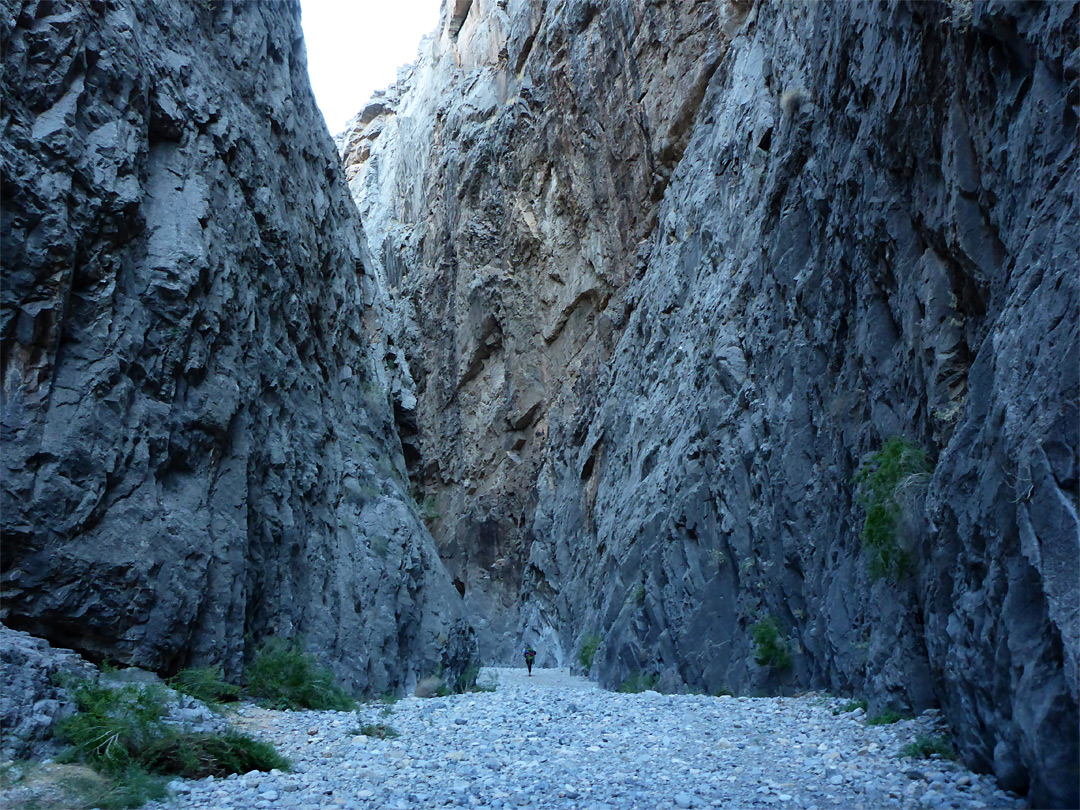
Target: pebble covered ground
{"points": [[558, 742]]}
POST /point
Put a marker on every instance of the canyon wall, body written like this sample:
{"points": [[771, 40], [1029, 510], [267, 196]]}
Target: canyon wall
{"points": [[660, 277], [199, 447]]}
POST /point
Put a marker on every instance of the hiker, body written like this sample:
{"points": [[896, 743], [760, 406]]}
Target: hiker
{"points": [[530, 655]]}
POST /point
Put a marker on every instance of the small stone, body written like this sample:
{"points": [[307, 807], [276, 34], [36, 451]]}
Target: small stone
{"points": [[683, 800]]}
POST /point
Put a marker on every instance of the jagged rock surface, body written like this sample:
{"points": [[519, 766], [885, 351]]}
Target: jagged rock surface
{"points": [[653, 341], [506, 183], [198, 446], [34, 697]]}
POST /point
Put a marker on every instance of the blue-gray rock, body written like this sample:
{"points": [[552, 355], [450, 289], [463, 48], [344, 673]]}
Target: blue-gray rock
{"points": [[199, 448], [661, 277]]}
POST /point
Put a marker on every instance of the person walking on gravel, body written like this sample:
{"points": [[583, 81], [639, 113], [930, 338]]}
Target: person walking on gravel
{"points": [[530, 656]]}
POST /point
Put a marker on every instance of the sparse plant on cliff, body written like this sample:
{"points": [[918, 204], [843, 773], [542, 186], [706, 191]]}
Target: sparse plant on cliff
{"points": [[285, 677], [881, 478], [429, 509], [793, 99], [589, 645], [771, 648]]}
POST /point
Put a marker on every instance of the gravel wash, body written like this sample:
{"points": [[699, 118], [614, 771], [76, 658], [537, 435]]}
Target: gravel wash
{"points": [[557, 742]]}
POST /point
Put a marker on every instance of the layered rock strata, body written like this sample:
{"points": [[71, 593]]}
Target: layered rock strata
{"points": [[199, 448], [664, 277]]}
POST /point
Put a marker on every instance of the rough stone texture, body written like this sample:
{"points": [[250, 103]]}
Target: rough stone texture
{"points": [[653, 335], [199, 448], [33, 699], [506, 183]]}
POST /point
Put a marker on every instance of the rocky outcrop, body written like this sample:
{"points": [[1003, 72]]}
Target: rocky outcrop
{"points": [[199, 447], [34, 697], [664, 281]]}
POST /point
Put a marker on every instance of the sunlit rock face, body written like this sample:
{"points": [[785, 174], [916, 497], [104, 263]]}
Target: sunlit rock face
{"points": [[509, 185], [199, 448], [660, 276]]}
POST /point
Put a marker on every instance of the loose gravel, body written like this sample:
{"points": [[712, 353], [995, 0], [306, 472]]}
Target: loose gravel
{"points": [[557, 742]]}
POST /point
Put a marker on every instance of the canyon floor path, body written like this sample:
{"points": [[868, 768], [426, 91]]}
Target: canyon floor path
{"points": [[558, 741]]}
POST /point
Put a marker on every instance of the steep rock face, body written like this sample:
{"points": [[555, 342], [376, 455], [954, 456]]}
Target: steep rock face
{"points": [[865, 228], [198, 446], [506, 184]]}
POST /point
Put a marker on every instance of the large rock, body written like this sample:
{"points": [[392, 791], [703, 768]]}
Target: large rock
{"points": [[664, 278], [199, 448], [35, 694]]}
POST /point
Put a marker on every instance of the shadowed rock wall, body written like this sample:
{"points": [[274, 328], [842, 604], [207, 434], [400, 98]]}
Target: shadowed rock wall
{"points": [[664, 279], [199, 448]]}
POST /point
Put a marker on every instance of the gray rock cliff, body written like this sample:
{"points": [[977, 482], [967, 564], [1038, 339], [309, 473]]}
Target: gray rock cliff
{"points": [[199, 446], [660, 277]]}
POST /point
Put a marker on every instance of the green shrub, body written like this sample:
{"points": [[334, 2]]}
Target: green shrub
{"points": [[852, 705], [886, 718], [132, 787], [638, 682], [926, 746], [589, 645], [879, 480], [205, 684], [466, 681], [283, 676], [771, 649], [111, 727], [196, 756], [122, 733], [379, 730], [587, 654]]}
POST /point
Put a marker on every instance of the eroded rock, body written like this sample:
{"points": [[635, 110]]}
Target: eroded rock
{"points": [[199, 448]]}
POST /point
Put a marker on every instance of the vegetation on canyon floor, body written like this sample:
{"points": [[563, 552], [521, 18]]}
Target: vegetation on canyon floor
{"points": [[206, 684], [380, 731], [125, 736], [886, 718], [638, 682], [283, 676], [926, 746]]}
